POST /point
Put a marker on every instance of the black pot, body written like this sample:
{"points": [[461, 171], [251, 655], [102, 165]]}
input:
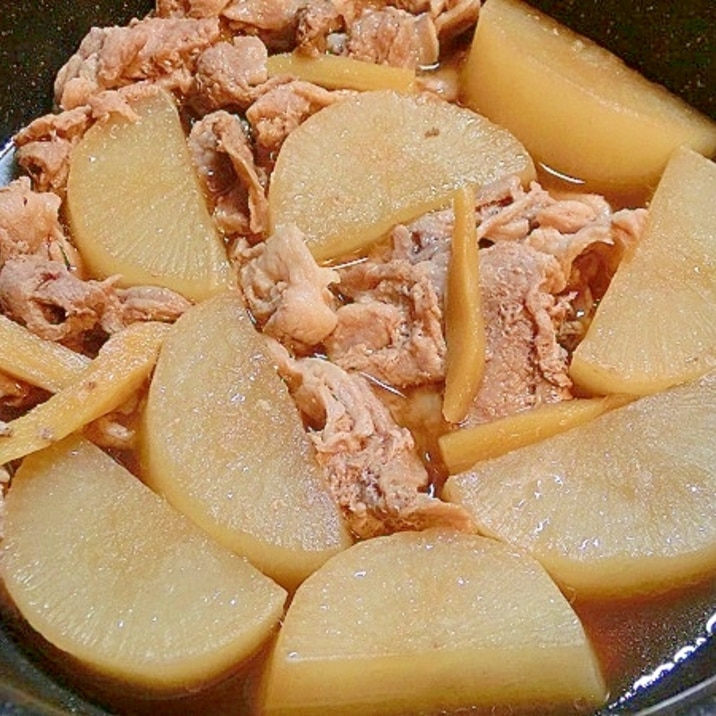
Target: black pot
{"points": [[673, 43]]}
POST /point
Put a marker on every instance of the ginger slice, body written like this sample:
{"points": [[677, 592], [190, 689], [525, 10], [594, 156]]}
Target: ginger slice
{"points": [[336, 72], [464, 323], [37, 361], [461, 449], [123, 364]]}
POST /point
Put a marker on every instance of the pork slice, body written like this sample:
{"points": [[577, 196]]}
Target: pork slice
{"points": [[30, 225], [161, 50], [281, 109], [51, 301], [318, 20], [14, 393], [394, 37], [453, 17], [393, 329], [56, 305], [117, 430], [228, 73], [415, 7], [190, 8], [287, 291], [223, 156], [628, 226], [525, 365], [373, 469], [506, 212], [274, 21], [565, 226], [144, 303], [427, 240], [44, 146], [120, 102], [590, 257]]}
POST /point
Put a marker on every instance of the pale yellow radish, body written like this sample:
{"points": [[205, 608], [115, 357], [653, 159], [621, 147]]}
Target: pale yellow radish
{"points": [[224, 442], [619, 506], [110, 573], [429, 622], [135, 205], [656, 324], [367, 162], [576, 107]]}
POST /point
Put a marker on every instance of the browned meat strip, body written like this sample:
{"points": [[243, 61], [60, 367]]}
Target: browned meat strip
{"points": [[44, 146], [30, 225], [372, 467], [286, 290], [14, 393], [277, 112], [52, 302], [229, 73], [525, 366], [56, 305], [393, 329], [315, 23], [274, 21], [224, 158], [394, 37], [190, 8], [163, 51], [144, 303], [453, 17]]}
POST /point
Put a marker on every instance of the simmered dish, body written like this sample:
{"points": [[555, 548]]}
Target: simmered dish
{"points": [[314, 370]]}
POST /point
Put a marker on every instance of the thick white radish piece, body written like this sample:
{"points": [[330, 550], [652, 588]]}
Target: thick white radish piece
{"points": [[224, 442], [656, 324], [622, 505], [419, 622], [109, 572], [136, 208], [359, 166], [577, 108]]}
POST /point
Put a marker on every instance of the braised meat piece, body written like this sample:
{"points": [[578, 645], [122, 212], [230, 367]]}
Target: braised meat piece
{"points": [[373, 469]]}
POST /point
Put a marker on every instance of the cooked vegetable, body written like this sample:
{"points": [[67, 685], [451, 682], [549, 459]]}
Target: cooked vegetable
{"points": [[620, 506], [224, 442], [107, 571], [337, 72], [464, 324], [123, 364], [462, 448], [656, 325], [353, 170], [422, 622], [39, 362], [136, 208], [577, 108]]}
